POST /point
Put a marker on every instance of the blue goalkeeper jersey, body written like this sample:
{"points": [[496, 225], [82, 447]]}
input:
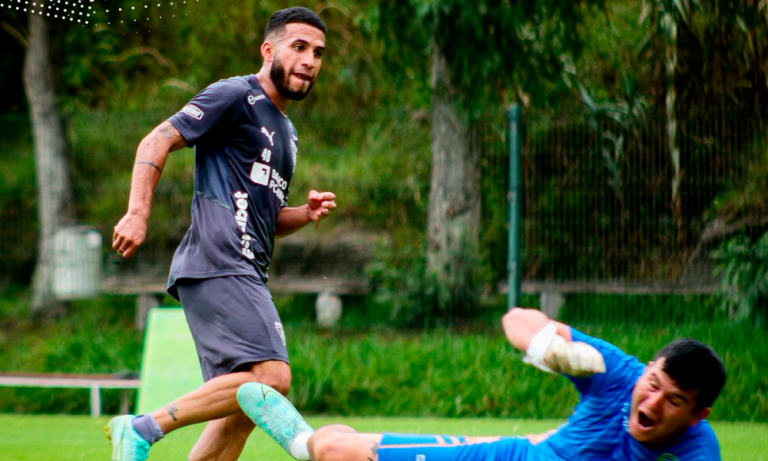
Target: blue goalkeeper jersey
{"points": [[596, 431], [598, 427]]}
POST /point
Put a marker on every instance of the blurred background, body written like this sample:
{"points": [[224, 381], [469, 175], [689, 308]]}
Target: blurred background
{"points": [[607, 158]]}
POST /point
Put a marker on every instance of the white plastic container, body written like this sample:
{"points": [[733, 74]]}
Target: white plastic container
{"points": [[76, 263]]}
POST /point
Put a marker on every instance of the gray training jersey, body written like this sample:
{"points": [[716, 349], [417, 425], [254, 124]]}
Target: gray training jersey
{"points": [[245, 155]]}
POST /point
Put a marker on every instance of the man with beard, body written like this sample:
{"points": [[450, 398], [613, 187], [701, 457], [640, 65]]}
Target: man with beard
{"points": [[627, 411], [245, 156]]}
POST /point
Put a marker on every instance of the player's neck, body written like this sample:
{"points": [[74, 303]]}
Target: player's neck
{"points": [[270, 90]]}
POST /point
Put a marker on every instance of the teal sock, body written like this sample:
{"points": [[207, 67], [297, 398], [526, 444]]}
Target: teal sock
{"points": [[147, 428]]}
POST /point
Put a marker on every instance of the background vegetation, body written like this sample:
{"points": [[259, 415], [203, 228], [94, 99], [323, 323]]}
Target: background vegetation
{"points": [[377, 370], [638, 141], [645, 152]]}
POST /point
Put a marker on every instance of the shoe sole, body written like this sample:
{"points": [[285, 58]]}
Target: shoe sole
{"points": [[252, 396]]}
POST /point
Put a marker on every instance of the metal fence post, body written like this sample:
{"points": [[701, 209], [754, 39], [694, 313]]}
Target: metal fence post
{"points": [[513, 257]]}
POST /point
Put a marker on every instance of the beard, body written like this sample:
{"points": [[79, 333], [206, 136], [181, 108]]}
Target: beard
{"points": [[280, 77]]}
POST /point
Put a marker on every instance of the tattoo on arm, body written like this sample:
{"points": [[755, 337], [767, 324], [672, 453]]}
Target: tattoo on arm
{"points": [[172, 409], [152, 164], [374, 451], [169, 132]]}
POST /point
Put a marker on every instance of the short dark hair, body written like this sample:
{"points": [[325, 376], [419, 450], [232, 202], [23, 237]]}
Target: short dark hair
{"points": [[278, 21], [694, 365]]}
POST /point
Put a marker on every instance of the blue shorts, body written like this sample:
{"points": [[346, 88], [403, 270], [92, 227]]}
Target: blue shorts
{"points": [[402, 447]]}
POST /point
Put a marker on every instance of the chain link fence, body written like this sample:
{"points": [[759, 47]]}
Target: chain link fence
{"points": [[599, 210]]}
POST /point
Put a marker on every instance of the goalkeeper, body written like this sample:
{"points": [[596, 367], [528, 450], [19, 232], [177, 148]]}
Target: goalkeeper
{"points": [[627, 411]]}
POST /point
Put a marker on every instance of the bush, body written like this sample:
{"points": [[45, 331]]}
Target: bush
{"points": [[448, 373], [383, 371], [744, 283]]}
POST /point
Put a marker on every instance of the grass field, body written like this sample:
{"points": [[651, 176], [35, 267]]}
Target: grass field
{"points": [[70, 438]]}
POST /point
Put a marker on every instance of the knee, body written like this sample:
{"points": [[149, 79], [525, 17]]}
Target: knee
{"points": [[281, 382], [276, 377], [330, 443], [281, 385]]}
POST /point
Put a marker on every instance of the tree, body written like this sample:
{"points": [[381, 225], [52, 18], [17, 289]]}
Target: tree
{"points": [[53, 184], [482, 54], [714, 69], [453, 220], [668, 17]]}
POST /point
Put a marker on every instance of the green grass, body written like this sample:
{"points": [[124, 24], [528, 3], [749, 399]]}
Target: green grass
{"points": [[65, 438], [378, 371]]}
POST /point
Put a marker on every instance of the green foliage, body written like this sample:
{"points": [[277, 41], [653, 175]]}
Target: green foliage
{"points": [[397, 277], [388, 148], [442, 373], [18, 211], [96, 337], [132, 58], [365, 130], [508, 46], [652, 310], [749, 196], [609, 55], [742, 259], [436, 373], [103, 147], [381, 371], [743, 267], [613, 123]]}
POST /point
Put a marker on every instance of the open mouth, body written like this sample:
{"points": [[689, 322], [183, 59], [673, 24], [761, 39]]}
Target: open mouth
{"points": [[645, 421], [303, 77]]}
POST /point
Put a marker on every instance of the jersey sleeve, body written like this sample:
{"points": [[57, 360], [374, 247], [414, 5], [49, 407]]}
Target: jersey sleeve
{"points": [[621, 369], [216, 106]]}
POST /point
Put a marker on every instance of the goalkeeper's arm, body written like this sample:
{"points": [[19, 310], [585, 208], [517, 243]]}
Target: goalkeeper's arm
{"points": [[548, 345]]}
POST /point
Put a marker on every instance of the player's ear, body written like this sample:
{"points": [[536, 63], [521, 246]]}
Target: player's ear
{"points": [[267, 51], [699, 415]]}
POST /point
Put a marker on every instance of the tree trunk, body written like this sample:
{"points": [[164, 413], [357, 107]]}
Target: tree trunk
{"points": [[671, 30], [454, 199], [54, 203]]}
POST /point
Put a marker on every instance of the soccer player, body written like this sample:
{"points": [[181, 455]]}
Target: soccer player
{"points": [[627, 411], [245, 156]]}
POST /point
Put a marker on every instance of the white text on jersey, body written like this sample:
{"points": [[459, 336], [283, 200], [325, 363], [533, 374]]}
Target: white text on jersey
{"points": [[266, 154], [241, 218]]}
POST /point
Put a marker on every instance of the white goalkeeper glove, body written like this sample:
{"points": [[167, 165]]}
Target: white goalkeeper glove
{"points": [[550, 352]]}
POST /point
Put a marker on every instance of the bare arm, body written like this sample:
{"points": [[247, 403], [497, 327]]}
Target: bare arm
{"points": [[151, 156], [319, 206], [521, 324], [292, 219]]}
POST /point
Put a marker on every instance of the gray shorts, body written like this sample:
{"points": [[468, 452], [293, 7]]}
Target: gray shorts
{"points": [[233, 321]]}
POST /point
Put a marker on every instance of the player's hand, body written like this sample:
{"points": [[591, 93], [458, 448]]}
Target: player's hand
{"points": [[550, 352], [574, 358], [320, 205], [128, 235]]}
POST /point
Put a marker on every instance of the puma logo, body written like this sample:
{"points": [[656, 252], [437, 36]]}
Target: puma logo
{"points": [[269, 135]]}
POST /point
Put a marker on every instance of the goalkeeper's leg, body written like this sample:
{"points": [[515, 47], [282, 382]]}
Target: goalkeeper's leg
{"points": [[340, 443], [279, 419]]}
